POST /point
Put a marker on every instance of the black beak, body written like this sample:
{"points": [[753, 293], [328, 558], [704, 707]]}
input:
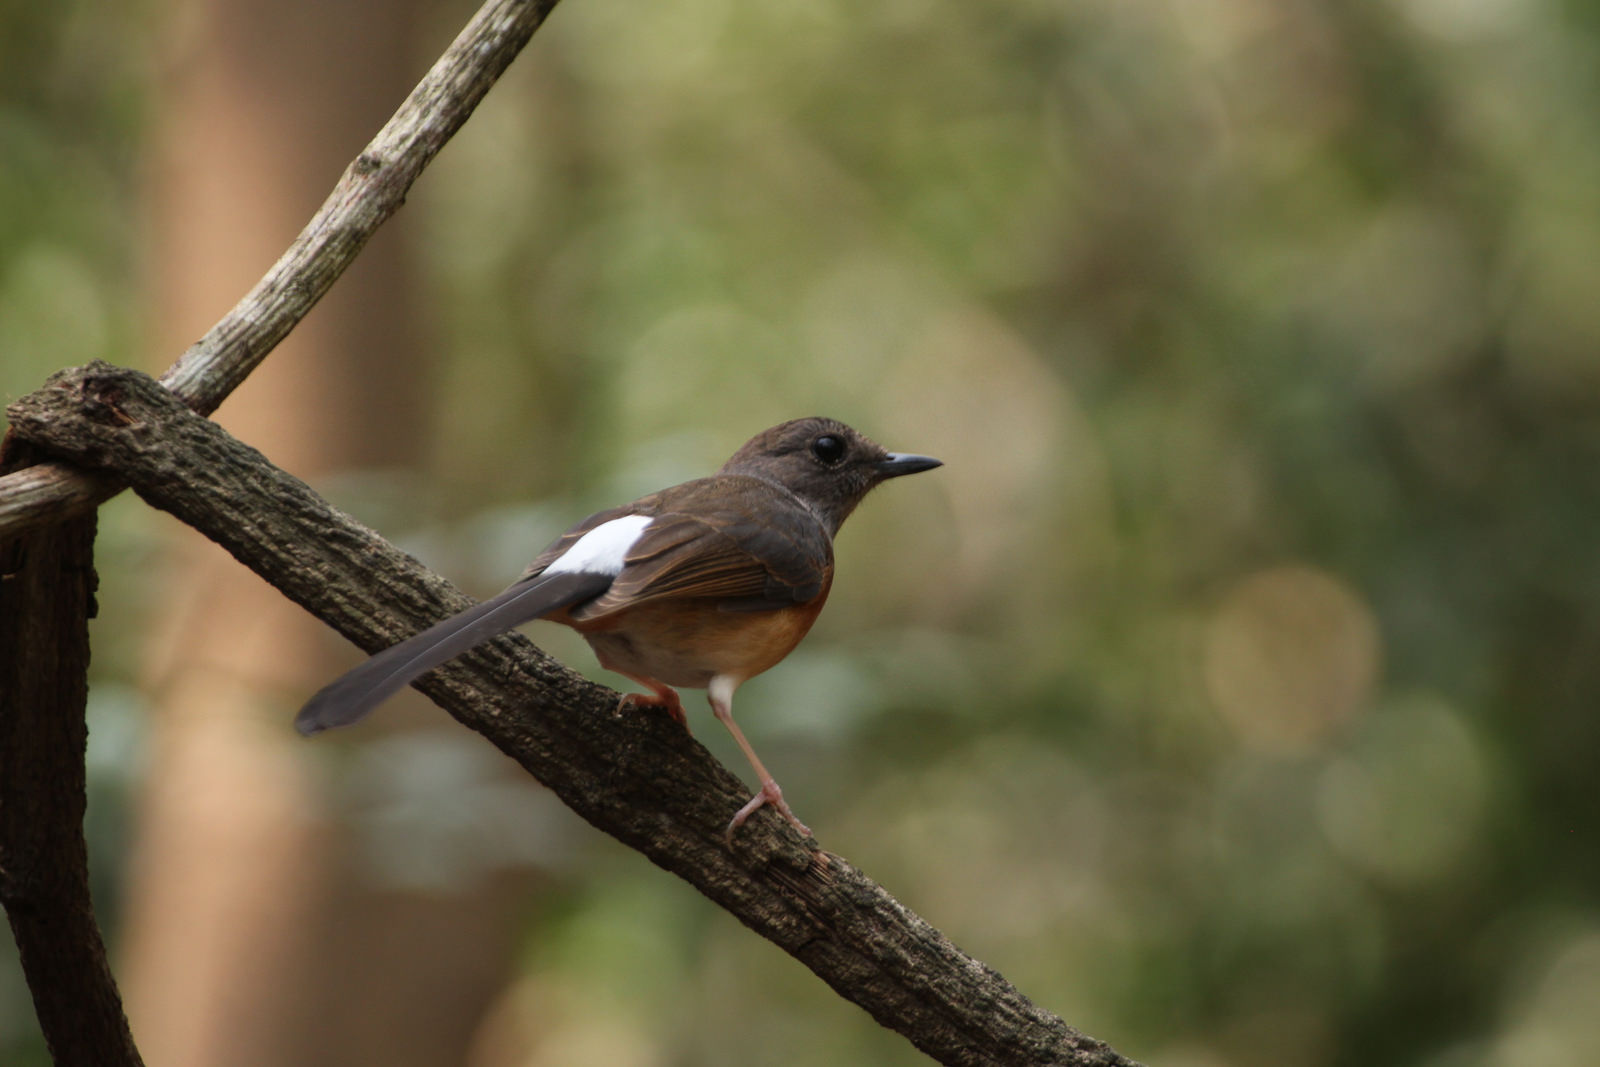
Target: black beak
{"points": [[898, 463]]}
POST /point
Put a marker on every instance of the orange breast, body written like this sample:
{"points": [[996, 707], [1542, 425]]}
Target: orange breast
{"points": [[687, 642]]}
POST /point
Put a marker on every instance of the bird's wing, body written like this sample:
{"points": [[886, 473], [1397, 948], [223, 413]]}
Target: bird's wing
{"points": [[736, 540], [559, 546]]}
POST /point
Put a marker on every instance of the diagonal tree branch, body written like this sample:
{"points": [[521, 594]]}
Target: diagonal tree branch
{"points": [[371, 189], [634, 775]]}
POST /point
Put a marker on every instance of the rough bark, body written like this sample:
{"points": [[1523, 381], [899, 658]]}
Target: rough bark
{"points": [[47, 585], [637, 776]]}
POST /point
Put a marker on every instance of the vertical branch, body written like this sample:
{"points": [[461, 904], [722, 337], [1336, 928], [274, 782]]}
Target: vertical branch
{"points": [[47, 585]]}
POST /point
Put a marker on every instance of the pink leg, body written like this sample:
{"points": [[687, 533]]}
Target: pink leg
{"points": [[720, 692], [665, 697]]}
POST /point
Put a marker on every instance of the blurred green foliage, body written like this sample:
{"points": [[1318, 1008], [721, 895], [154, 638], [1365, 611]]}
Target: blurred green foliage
{"points": [[1233, 689]]}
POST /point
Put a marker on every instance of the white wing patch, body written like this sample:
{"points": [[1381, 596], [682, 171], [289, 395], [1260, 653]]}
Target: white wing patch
{"points": [[602, 550]]}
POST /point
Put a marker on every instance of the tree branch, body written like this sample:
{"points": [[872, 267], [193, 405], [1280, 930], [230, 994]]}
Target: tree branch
{"points": [[635, 775], [47, 585], [371, 190]]}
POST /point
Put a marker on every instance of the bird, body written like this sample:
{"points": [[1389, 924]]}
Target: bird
{"points": [[703, 585]]}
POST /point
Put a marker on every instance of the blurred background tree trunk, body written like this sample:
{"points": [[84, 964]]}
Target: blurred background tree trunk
{"points": [[251, 935]]}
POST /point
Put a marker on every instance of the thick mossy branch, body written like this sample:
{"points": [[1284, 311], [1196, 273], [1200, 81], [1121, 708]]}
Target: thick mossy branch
{"points": [[634, 774]]}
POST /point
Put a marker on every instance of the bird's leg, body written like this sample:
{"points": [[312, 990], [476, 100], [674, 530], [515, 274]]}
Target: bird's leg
{"points": [[665, 697], [720, 692]]}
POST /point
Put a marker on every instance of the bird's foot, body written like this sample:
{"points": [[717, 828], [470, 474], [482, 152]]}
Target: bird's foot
{"points": [[768, 794], [664, 698]]}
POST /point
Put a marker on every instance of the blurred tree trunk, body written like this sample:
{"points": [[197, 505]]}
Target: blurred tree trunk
{"points": [[250, 939]]}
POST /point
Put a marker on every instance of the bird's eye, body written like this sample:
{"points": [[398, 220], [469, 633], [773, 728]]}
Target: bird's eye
{"points": [[828, 448]]}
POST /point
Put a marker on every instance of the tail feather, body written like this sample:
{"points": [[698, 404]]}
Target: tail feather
{"points": [[354, 694]]}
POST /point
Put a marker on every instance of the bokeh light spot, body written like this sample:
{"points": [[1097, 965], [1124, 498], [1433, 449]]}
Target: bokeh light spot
{"points": [[1290, 655]]}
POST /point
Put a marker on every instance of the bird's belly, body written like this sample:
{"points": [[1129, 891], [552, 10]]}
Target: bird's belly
{"points": [[686, 644]]}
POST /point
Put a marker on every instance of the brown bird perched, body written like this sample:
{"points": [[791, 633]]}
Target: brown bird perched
{"points": [[703, 585]]}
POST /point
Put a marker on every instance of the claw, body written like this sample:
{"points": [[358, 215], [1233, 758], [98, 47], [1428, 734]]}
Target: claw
{"points": [[770, 793], [664, 698]]}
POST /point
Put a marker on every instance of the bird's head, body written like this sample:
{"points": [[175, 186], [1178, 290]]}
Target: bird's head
{"points": [[824, 462]]}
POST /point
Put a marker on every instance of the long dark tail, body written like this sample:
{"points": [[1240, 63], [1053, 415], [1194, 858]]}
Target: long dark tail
{"points": [[352, 695]]}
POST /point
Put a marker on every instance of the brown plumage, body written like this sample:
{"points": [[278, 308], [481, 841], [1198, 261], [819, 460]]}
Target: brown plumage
{"points": [[704, 584]]}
